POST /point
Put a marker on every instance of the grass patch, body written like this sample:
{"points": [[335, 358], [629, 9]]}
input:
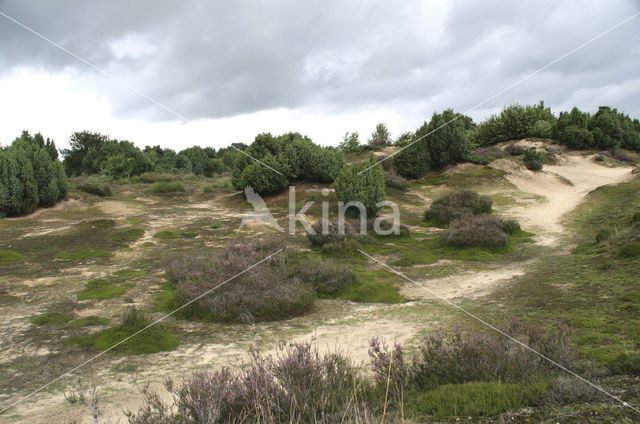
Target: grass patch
{"points": [[148, 244], [9, 256], [631, 250], [100, 190], [474, 399], [371, 287], [164, 187], [588, 322], [167, 235], [216, 225], [100, 289], [471, 177], [90, 321], [52, 318], [126, 235], [84, 254]]}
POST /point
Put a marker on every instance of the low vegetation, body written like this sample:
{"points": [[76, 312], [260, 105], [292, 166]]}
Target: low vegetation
{"points": [[84, 254], [9, 256], [101, 190], [456, 205], [164, 187], [100, 289], [51, 318]]}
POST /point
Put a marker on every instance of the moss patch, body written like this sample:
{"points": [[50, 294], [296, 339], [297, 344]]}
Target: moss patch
{"points": [[167, 235], [52, 318], [154, 339], [9, 256], [84, 254], [126, 236], [100, 289]]}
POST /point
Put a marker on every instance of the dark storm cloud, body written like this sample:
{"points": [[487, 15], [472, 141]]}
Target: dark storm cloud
{"points": [[216, 59]]}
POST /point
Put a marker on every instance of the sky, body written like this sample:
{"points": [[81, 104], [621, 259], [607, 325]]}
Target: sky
{"points": [[211, 72]]}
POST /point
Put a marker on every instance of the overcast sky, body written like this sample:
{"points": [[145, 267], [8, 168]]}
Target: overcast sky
{"points": [[237, 68]]}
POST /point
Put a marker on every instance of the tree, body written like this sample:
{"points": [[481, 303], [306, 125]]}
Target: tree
{"points": [[79, 145], [350, 143], [447, 141], [262, 179], [413, 161], [606, 128], [366, 188], [404, 138], [380, 137]]}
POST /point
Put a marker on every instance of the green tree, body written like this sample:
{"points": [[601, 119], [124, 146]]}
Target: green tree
{"points": [[262, 179], [413, 161], [606, 128], [350, 143], [380, 136], [79, 144], [366, 188]]}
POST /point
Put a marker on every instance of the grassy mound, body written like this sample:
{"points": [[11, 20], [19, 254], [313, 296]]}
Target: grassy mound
{"points": [[100, 289], [9, 256]]}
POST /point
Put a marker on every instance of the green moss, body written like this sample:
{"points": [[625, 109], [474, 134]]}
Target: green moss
{"points": [[216, 225], [156, 338], [126, 235], [130, 273], [9, 256], [90, 321], [100, 289], [52, 318], [167, 235], [84, 254], [474, 399], [372, 287]]}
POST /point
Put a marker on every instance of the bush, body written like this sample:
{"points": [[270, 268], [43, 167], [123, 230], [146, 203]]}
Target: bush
{"points": [[260, 294], [568, 389], [533, 165], [168, 187], [514, 149], [510, 226], [326, 276], [630, 250], [346, 247], [576, 138], [541, 129], [101, 190], [458, 204], [622, 156], [486, 155], [477, 231], [393, 180], [296, 385], [413, 161], [332, 234], [366, 188]]}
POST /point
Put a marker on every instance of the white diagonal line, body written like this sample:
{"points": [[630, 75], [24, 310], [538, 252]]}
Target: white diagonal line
{"points": [[102, 71], [450, 303], [260, 162], [134, 334], [509, 87], [115, 78]]}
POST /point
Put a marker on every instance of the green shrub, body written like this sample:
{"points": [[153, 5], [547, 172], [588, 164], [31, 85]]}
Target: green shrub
{"points": [[167, 235], [533, 159], [90, 321], [366, 188], [510, 226], [101, 190], [84, 254], [155, 338], [207, 189], [630, 250], [533, 165], [473, 399], [393, 180], [9, 256], [148, 244], [413, 161], [457, 204], [100, 289], [576, 138], [167, 187], [52, 318]]}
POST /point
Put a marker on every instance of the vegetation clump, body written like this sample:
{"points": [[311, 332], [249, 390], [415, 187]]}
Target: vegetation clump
{"points": [[100, 289], [101, 190], [367, 188], [167, 235], [90, 321], [393, 180], [457, 204], [125, 236], [128, 337], [9, 256], [262, 293], [84, 254], [533, 159], [52, 318], [164, 187], [514, 149], [481, 231], [630, 250]]}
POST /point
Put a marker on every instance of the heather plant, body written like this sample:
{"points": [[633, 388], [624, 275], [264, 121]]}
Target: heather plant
{"points": [[393, 180], [326, 276], [296, 385], [514, 149], [261, 293], [333, 233], [478, 231], [458, 204]]}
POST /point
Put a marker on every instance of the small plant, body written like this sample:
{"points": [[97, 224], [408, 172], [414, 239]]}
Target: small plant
{"points": [[9, 256], [457, 204], [533, 159], [326, 276], [96, 189], [167, 187], [215, 225], [52, 318]]}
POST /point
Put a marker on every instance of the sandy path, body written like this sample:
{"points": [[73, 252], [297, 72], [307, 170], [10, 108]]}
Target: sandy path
{"points": [[582, 175]]}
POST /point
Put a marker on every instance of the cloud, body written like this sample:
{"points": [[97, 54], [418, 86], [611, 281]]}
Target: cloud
{"points": [[215, 60]]}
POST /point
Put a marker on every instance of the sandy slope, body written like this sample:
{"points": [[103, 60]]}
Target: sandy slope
{"points": [[578, 176]]}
